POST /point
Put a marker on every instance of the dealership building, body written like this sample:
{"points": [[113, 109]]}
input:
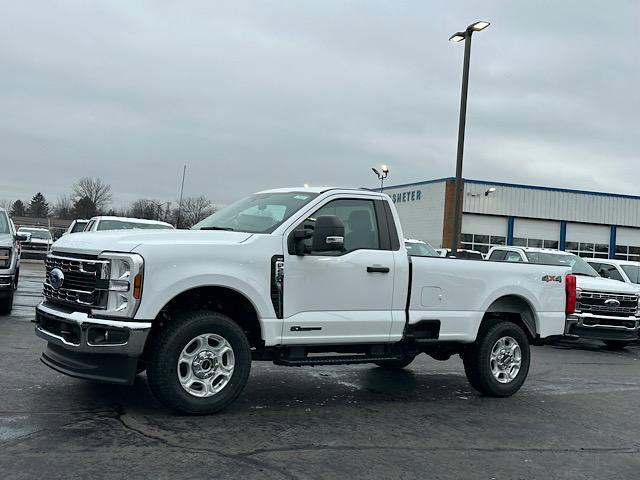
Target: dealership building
{"points": [[590, 224]]}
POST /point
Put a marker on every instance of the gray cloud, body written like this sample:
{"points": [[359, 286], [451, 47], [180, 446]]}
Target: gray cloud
{"points": [[253, 95]]}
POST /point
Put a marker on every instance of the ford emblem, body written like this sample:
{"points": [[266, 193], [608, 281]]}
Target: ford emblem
{"points": [[56, 277], [612, 302]]}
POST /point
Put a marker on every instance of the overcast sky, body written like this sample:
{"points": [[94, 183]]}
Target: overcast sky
{"points": [[253, 95]]}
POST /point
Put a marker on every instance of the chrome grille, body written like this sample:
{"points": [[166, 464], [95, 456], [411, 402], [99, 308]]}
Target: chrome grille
{"points": [[595, 303], [84, 282]]}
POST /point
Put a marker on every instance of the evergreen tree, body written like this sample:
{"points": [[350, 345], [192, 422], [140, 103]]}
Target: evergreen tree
{"points": [[84, 208], [18, 209], [39, 207]]}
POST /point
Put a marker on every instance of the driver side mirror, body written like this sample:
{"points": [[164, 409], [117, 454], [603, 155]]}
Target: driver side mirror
{"points": [[23, 237], [328, 234]]}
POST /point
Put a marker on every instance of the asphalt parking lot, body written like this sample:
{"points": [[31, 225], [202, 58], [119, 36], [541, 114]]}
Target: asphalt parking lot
{"points": [[575, 418]]}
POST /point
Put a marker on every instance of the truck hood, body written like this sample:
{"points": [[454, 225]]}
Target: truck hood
{"points": [[94, 243], [600, 284], [6, 239]]}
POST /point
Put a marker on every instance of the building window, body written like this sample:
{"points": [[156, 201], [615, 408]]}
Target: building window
{"points": [[588, 249], [481, 243], [535, 242], [624, 252]]}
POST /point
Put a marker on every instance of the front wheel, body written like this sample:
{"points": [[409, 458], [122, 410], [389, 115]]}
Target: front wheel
{"points": [[199, 363], [616, 344], [497, 363]]}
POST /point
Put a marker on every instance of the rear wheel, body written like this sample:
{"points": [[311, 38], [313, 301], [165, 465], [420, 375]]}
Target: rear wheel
{"points": [[396, 363], [497, 363], [199, 363], [616, 344]]}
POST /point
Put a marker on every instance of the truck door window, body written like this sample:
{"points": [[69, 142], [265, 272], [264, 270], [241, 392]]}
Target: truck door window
{"points": [[512, 257], [633, 272], [497, 255], [360, 224], [614, 274]]}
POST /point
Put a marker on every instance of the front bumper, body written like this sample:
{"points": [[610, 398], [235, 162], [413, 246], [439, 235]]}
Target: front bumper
{"points": [[587, 325], [85, 347]]}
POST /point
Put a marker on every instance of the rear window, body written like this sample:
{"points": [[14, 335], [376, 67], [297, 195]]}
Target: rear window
{"points": [[78, 227]]}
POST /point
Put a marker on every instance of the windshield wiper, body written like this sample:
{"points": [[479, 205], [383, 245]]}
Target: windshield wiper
{"points": [[217, 228]]}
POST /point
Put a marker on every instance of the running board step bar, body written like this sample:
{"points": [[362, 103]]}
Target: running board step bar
{"points": [[332, 360]]}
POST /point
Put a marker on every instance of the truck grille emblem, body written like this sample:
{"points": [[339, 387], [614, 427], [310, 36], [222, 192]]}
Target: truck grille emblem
{"points": [[612, 302], [56, 278]]}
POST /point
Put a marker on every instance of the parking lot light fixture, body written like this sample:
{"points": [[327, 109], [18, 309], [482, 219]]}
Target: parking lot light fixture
{"points": [[478, 26], [457, 203], [381, 175]]}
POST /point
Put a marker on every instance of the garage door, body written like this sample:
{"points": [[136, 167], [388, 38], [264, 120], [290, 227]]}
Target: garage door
{"points": [[588, 240], [536, 233], [628, 243], [481, 232]]}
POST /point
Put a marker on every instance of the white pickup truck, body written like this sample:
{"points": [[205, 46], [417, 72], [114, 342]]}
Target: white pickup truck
{"points": [[312, 276]]}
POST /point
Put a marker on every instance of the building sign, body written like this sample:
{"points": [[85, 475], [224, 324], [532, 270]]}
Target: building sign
{"points": [[411, 196]]}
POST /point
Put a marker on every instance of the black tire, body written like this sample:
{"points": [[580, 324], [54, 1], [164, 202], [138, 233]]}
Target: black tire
{"points": [[15, 282], [477, 357], [616, 344], [396, 363], [166, 347], [6, 303]]}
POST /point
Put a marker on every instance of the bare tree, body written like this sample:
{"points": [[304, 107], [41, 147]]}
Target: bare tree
{"points": [[93, 190], [143, 208], [195, 209], [6, 204], [63, 207]]}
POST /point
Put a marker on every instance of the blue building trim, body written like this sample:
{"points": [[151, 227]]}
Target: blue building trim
{"points": [[563, 234], [518, 185], [510, 221], [612, 241]]}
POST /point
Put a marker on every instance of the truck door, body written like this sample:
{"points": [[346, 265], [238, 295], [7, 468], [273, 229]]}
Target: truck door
{"points": [[342, 297]]}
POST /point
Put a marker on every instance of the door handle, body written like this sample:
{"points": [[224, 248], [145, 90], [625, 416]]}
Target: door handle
{"points": [[377, 269]]}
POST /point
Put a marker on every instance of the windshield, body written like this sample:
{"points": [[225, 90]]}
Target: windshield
{"points": [[123, 225], [577, 264], [79, 226], [421, 249], [633, 272], [40, 234], [4, 223], [259, 213]]}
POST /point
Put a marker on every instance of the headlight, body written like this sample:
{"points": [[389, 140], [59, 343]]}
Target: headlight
{"points": [[125, 275], [5, 257]]}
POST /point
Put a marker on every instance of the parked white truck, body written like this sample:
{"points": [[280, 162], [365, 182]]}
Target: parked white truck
{"points": [[313, 276], [606, 309]]}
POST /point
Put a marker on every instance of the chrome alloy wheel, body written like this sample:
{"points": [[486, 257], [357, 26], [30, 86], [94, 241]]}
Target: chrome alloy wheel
{"points": [[505, 359], [206, 365]]}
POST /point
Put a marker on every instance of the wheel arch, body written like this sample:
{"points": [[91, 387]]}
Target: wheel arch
{"points": [[223, 299], [515, 308]]}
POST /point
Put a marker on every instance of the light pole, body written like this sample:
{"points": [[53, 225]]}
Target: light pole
{"points": [[457, 204], [381, 175]]}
